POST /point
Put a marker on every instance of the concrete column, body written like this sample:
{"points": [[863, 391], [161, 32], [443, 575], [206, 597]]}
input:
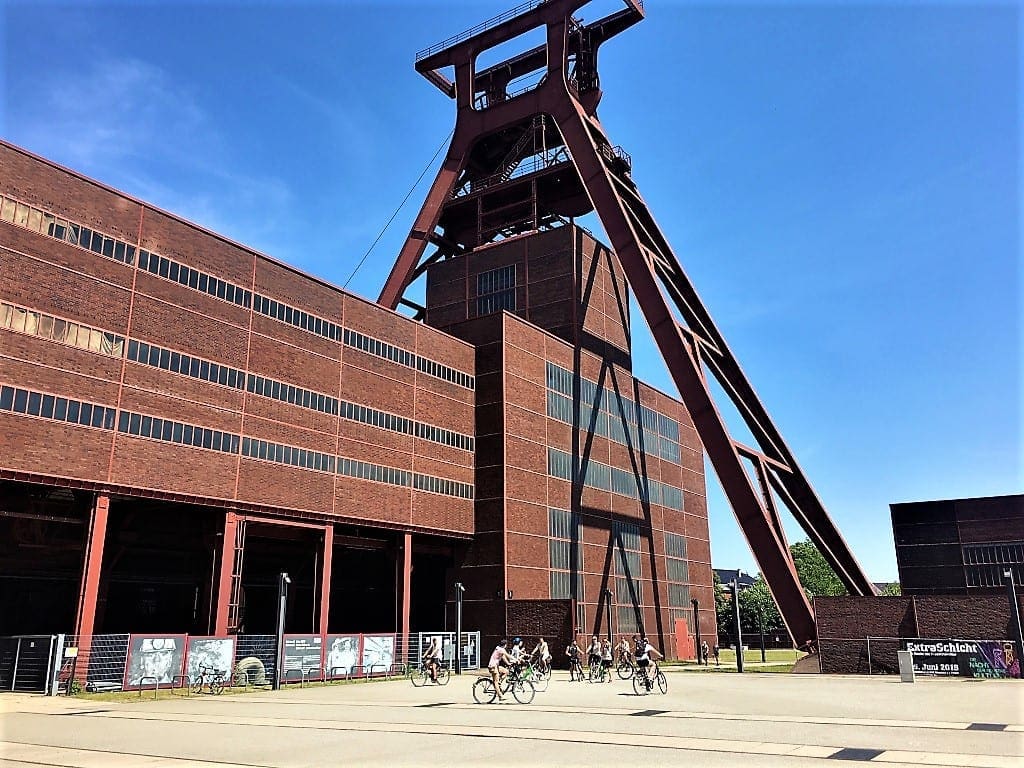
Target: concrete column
{"points": [[225, 572], [406, 588], [92, 567], [325, 579]]}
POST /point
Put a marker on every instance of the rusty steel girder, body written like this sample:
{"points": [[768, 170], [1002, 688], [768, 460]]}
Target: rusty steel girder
{"points": [[493, 122]]}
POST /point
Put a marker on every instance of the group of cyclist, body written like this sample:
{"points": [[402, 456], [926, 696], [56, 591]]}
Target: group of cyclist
{"points": [[638, 654], [505, 660]]}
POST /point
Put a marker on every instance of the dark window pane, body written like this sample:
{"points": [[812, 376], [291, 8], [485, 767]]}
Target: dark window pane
{"points": [[193, 368], [147, 426], [108, 247], [98, 414], [193, 279], [186, 434], [122, 422], [135, 426], [108, 417], [221, 289], [6, 398], [164, 267], [165, 358], [154, 356], [129, 254], [203, 281], [119, 251], [133, 350], [204, 370], [165, 432], [85, 416], [73, 407], [176, 432], [207, 438], [222, 375], [35, 402], [172, 271]]}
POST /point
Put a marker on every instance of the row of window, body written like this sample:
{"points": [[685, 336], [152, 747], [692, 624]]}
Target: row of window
{"points": [[678, 596], [17, 400], [176, 362], [39, 221], [52, 328], [80, 412], [678, 570], [997, 554], [615, 427], [623, 482], [169, 431], [382, 349], [561, 380], [991, 575], [675, 545]]}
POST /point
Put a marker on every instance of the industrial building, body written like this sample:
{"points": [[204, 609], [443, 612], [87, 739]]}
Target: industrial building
{"points": [[183, 418]]}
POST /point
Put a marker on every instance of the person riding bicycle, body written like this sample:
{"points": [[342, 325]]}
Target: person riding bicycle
{"points": [[594, 652], [432, 659], [623, 651], [542, 654], [575, 667], [498, 666], [645, 655], [606, 659]]}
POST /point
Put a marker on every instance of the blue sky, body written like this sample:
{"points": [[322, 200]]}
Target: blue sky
{"points": [[840, 181]]}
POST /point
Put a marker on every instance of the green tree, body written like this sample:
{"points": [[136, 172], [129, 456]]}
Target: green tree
{"points": [[756, 606], [723, 608], [892, 589], [815, 574]]}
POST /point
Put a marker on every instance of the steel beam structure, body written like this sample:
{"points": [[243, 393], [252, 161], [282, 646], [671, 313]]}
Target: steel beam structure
{"points": [[504, 176]]}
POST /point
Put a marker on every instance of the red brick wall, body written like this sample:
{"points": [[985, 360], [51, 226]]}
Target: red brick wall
{"points": [[69, 282]]}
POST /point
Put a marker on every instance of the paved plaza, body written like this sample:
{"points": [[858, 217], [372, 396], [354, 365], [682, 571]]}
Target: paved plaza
{"points": [[704, 720]]}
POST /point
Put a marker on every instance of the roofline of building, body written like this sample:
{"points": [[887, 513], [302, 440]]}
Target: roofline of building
{"points": [[894, 504], [216, 235]]}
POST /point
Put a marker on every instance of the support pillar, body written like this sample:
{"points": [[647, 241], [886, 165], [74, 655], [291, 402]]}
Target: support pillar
{"points": [[406, 590], [325, 579], [225, 573], [92, 567]]}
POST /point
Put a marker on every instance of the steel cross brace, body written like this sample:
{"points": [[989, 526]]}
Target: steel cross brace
{"points": [[659, 284]]}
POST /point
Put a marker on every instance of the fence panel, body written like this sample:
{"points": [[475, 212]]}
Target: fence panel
{"points": [[25, 663], [255, 659]]}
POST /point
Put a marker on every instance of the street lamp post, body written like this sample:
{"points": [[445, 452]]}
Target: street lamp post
{"points": [[736, 618], [283, 580], [696, 631], [1015, 625], [459, 589], [760, 625]]}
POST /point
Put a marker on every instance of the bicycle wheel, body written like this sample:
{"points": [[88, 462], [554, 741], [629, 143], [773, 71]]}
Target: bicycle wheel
{"points": [[624, 670], [196, 686], [483, 691], [443, 676], [545, 672], [217, 686], [417, 676], [540, 683], [639, 686], [662, 682], [595, 673], [524, 691]]}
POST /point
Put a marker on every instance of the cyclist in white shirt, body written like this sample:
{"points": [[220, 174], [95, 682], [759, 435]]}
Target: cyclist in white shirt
{"points": [[645, 655], [541, 653]]}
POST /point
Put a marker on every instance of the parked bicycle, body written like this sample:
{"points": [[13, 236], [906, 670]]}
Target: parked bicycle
{"points": [[643, 683], [522, 690], [419, 675], [209, 678]]}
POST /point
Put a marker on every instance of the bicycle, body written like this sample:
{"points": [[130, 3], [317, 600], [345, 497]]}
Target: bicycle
{"points": [[598, 671], [210, 678], [625, 668], [576, 672], [419, 675], [533, 674], [644, 683], [543, 669], [484, 691]]}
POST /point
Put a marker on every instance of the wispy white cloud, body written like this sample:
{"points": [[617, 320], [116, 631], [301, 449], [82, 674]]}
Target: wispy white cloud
{"points": [[125, 122]]}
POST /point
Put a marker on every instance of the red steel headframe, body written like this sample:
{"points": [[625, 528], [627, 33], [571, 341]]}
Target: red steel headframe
{"points": [[491, 123]]}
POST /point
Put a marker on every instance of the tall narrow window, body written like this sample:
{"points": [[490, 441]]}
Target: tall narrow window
{"points": [[628, 589], [496, 290], [565, 531]]}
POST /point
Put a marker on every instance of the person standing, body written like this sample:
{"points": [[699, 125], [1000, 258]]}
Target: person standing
{"points": [[718, 661], [703, 652], [606, 660], [575, 667]]}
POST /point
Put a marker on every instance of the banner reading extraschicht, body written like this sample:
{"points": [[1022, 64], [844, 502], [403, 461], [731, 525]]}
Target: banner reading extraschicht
{"points": [[966, 658]]}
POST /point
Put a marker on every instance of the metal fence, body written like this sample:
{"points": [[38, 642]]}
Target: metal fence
{"points": [[99, 663]]}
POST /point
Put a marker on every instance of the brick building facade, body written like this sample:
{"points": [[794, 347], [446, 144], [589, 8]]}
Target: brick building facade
{"points": [[183, 417]]}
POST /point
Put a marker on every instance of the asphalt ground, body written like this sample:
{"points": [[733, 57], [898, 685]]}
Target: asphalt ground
{"points": [[704, 720]]}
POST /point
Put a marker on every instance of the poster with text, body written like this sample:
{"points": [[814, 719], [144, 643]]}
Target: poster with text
{"points": [[301, 652], [215, 654], [966, 658], [153, 659], [378, 653], [341, 654]]}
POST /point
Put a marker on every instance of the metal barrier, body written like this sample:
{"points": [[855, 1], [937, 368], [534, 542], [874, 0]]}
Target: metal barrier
{"points": [[291, 672], [26, 663], [142, 685], [307, 675], [187, 684]]}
